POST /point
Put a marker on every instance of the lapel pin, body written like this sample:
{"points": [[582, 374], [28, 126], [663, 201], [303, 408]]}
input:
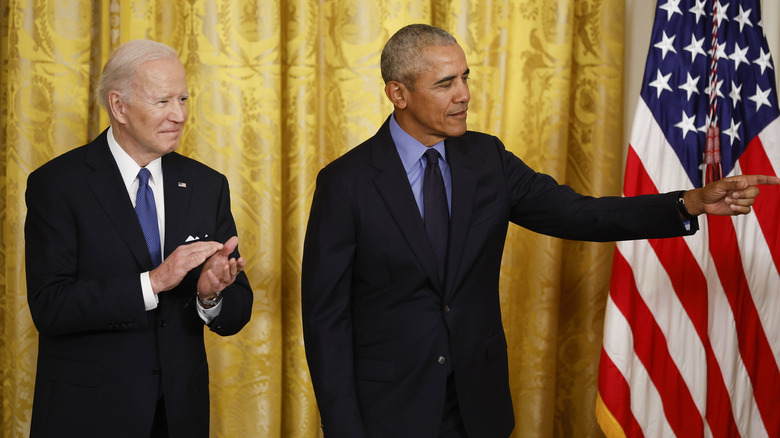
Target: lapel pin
{"points": [[182, 184]]}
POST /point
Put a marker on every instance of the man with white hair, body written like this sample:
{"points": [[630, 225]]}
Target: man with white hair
{"points": [[130, 249]]}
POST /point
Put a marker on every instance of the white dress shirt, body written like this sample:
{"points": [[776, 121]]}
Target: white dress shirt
{"points": [[129, 169]]}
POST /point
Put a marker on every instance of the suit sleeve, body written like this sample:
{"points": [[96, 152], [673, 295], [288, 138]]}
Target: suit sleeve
{"points": [[61, 300], [539, 203], [329, 251], [237, 298]]}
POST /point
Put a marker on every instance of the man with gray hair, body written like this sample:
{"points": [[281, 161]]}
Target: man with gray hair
{"points": [[130, 249], [403, 249]]}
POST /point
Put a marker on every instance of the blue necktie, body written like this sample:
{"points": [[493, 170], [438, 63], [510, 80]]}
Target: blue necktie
{"points": [[146, 209], [437, 215]]}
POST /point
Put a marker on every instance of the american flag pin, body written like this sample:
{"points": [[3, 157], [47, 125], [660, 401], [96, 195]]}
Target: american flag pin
{"points": [[182, 184]]}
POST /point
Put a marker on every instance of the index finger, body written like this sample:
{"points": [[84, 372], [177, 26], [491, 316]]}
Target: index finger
{"points": [[761, 179], [203, 247]]}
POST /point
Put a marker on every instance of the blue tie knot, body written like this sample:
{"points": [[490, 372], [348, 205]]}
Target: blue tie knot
{"points": [[143, 176]]}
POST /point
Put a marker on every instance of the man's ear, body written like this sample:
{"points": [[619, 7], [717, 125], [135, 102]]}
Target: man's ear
{"points": [[116, 106], [397, 93]]}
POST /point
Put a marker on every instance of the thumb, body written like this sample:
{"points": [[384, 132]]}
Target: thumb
{"points": [[230, 245]]}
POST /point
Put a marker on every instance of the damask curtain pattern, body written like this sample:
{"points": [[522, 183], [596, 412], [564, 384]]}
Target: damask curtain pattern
{"points": [[278, 89]]}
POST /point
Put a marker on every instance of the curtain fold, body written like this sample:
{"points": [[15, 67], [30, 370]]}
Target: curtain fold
{"points": [[279, 88]]}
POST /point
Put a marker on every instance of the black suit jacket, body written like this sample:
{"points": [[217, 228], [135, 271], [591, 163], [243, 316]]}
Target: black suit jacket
{"points": [[382, 332], [101, 355]]}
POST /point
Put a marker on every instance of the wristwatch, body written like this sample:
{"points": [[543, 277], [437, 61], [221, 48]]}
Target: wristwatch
{"points": [[209, 303], [682, 208]]}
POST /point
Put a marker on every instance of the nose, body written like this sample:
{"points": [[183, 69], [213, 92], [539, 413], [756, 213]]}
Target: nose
{"points": [[178, 112], [462, 93]]}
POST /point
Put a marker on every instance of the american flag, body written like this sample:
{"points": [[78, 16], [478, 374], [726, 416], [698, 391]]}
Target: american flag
{"points": [[692, 328]]}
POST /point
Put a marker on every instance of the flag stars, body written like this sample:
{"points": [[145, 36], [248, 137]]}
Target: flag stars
{"points": [[733, 132], [696, 47], [686, 124], [699, 9], [761, 98], [706, 125], [739, 56], [671, 7], [736, 93], [661, 83], [743, 18], [764, 60], [720, 52], [691, 85], [708, 91], [666, 45], [720, 12]]}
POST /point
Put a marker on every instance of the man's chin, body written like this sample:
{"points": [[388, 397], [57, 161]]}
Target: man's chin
{"points": [[458, 131], [170, 146]]}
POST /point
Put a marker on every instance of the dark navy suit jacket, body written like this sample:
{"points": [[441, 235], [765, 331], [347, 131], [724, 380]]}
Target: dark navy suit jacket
{"points": [[101, 355], [382, 331]]}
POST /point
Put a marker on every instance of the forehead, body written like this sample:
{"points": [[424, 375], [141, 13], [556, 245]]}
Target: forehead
{"points": [[443, 61], [162, 75]]}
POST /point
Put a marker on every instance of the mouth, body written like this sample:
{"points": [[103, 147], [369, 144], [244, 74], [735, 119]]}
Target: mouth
{"points": [[460, 114]]}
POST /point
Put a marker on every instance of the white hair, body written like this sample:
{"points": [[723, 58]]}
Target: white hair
{"points": [[121, 66]]}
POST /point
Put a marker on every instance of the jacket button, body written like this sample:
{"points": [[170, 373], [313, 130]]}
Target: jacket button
{"points": [[446, 308], [162, 324], [441, 359], [156, 372]]}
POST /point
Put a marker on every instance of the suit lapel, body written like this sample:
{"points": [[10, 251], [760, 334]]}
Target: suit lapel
{"points": [[463, 177], [106, 183], [400, 203], [177, 189]]}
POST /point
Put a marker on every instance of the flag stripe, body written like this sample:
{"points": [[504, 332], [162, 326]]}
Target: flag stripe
{"points": [[756, 162], [683, 315], [612, 395], [753, 344], [679, 408], [763, 255], [676, 259], [651, 421], [725, 342]]}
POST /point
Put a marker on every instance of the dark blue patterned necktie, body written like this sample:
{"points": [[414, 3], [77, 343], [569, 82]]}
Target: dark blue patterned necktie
{"points": [[146, 209], [436, 212]]}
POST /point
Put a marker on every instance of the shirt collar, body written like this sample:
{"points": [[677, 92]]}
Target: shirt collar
{"points": [[409, 149], [128, 168]]}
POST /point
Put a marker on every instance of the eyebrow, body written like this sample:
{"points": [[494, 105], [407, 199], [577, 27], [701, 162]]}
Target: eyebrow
{"points": [[171, 96], [449, 78]]}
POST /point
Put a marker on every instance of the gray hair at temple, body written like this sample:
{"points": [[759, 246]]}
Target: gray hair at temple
{"points": [[120, 68], [401, 60]]}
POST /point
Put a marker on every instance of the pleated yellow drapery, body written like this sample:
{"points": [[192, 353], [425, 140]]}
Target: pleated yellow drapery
{"points": [[280, 88]]}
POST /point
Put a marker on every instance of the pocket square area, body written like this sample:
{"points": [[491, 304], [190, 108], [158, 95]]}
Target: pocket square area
{"points": [[190, 238]]}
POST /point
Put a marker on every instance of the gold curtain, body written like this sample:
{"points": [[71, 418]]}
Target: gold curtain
{"points": [[280, 88]]}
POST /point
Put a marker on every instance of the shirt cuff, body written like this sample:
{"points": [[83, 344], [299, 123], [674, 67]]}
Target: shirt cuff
{"points": [[150, 298], [208, 315]]}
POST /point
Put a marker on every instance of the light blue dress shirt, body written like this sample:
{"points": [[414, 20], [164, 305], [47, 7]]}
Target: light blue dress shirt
{"points": [[411, 152]]}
